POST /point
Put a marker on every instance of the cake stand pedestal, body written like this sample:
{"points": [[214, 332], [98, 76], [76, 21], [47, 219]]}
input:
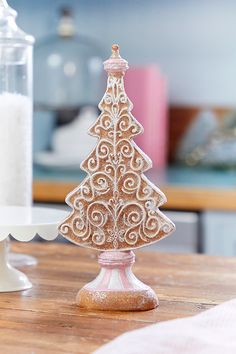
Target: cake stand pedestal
{"points": [[23, 223], [21, 260]]}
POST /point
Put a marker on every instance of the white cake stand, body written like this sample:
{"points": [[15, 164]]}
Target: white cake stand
{"points": [[24, 223]]}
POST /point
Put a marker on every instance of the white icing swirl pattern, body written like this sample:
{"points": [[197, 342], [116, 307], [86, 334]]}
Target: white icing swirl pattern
{"points": [[116, 207]]}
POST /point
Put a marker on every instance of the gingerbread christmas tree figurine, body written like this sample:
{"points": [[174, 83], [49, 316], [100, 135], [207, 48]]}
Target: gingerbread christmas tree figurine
{"points": [[115, 208]]}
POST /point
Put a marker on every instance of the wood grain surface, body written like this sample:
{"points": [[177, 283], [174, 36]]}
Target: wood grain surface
{"points": [[46, 320]]}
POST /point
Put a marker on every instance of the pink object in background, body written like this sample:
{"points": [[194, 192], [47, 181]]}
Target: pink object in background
{"points": [[146, 87]]}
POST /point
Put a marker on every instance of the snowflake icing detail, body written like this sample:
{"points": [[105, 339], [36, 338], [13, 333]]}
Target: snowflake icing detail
{"points": [[116, 236]]}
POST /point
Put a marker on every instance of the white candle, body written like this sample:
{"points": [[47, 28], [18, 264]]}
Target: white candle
{"points": [[15, 149]]}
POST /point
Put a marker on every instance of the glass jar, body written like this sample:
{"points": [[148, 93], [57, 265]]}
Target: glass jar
{"points": [[15, 110]]}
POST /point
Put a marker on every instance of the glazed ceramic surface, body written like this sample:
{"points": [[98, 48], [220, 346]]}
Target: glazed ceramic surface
{"points": [[23, 223]]}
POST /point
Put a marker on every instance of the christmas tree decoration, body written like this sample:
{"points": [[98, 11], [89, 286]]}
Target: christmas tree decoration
{"points": [[116, 208]]}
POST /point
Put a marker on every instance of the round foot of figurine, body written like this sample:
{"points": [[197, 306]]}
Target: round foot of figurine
{"points": [[11, 279], [139, 300], [116, 288]]}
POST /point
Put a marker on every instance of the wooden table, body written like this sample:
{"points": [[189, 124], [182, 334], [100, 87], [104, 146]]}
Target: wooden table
{"points": [[45, 319]]}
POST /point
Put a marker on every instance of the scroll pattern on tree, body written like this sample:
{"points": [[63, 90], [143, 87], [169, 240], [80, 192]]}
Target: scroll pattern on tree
{"points": [[116, 206]]}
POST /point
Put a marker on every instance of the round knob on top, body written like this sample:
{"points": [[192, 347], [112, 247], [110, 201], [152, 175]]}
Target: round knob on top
{"points": [[115, 64]]}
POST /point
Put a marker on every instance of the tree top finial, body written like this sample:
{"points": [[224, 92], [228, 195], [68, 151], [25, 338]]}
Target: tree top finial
{"points": [[115, 51], [115, 63]]}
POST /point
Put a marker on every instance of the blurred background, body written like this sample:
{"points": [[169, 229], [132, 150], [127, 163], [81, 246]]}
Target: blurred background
{"points": [[182, 76]]}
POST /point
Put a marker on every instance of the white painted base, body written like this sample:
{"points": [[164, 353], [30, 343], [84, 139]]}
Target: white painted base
{"points": [[11, 279]]}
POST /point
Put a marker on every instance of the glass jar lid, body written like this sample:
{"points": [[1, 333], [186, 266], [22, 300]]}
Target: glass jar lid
{"points": [[9, 31]]}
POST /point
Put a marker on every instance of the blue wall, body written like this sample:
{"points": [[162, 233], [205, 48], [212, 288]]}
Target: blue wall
{"points": [[193, 41]]}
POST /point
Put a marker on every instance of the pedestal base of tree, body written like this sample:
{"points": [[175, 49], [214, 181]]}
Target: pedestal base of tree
{"points": [[116, 288]]}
